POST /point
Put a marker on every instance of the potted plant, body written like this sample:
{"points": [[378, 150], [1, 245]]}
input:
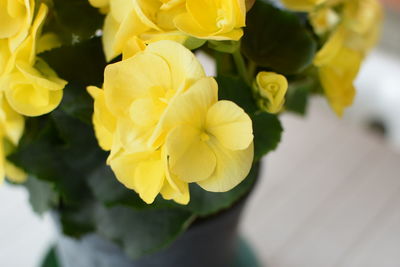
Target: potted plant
{"points": [[110, 122]]}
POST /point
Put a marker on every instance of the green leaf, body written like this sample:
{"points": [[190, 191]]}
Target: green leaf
{"points": [[277, 39], [82, 63], [224, 46], [297, 97], [204, 203], [51, 259], [77, 103], [141, 232], [41, 195], [267, 133], [73, 20], [78, 220], [235, 89], [193, 43]]}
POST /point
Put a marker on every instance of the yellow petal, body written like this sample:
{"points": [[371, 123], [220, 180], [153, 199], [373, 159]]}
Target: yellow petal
{"points": [[189, 108], [47, 42], [189, 157], [302, 5], [133, 138], [130, 27], [232, 168], [104, 122], [133, 78], [110, 30], [330, 49], [149, 178], [186, 69], [34, 92], [142, 172], [230, 125], [168, 192], [14, 174], [12, 122], [132, 47]]}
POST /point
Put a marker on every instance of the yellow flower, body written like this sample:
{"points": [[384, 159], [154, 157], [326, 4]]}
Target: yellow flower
{"points": [[337, 78], [213, 19], [32, 88], [11, 129], [270, 89], [177, 20], [340, 57], [207, 141], [141, 114], [302, 5], [15, 20]]}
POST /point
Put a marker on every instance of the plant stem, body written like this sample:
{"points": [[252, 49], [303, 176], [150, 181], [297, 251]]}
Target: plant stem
{"points": [[241, 66], [252, 69]]}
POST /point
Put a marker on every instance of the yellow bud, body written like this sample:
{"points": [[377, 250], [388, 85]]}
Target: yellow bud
{"points": [[270, 89]]}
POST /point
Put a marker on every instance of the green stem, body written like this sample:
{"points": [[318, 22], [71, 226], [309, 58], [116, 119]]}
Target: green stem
{"points": [[252, 69], [241, 66]]}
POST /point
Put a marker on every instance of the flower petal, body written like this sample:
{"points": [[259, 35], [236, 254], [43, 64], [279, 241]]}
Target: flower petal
{"points": [[230, 125], [189, 108], [132, 78], [189, 157], [185, 68], [142, 172], [232, 168]]}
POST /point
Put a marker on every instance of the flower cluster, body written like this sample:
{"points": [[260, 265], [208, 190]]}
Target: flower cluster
{"points": [[165, 127], [28, 86], [153, 20], [352, 32]]}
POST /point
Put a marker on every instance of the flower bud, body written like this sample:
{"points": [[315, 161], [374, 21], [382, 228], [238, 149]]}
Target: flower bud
{"points": [[270, 89]]}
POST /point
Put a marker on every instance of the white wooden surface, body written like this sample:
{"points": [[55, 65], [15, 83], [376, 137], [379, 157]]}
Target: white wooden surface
{"points": [[329, 196]]}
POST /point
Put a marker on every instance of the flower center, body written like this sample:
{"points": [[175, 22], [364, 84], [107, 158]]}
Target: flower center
{"points": [[204, 137]]}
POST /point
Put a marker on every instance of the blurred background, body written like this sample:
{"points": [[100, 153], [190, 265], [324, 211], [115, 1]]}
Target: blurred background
{"points": [[329, 196]]}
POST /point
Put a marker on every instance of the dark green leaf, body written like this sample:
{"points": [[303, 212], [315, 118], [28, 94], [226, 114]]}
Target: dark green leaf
{"points": [[204, 203], [41, 195], [81, 63], [73, 20], [51, 259], [77, 102], [297, 98], [235, 89], [277, 39], [142, 232], [77, 220], [267, 133]]}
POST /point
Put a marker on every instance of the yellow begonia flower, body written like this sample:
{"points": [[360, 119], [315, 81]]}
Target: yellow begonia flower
{"points": [[11, 129], [302, 5], [15, 20], [213, 19], [270, 89], [139, 116], [209, 142], [339, 59], [177, 20], [32, 88]]}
